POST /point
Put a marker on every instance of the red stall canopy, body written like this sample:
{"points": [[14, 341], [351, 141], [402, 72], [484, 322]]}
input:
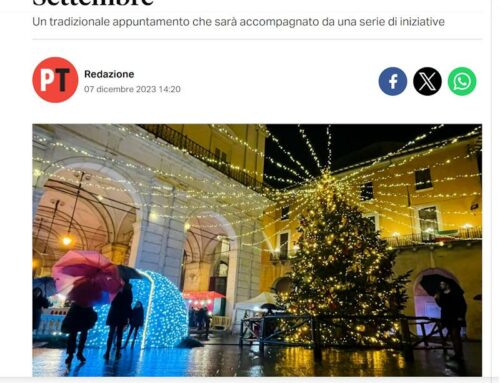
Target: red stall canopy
{"points": [[201, 295], [198, 299]]}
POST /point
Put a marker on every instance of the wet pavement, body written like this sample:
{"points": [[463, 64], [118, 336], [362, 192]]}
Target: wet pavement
{"points": [[219, 359]]}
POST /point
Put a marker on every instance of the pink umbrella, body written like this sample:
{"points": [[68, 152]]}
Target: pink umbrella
{"points": [[88, 276]]}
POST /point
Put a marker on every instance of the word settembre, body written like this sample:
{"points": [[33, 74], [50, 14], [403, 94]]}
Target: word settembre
{"points": [[93, 2]]}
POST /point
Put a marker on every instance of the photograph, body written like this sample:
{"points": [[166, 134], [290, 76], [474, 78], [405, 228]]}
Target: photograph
{"points": [[257, 250]]}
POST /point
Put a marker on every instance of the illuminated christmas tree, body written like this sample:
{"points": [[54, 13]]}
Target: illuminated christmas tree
{"points": [[343, 268]]}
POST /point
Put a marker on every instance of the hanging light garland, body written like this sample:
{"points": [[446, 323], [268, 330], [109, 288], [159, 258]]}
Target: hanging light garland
{"points": [[301, 191], [290, 156], [310, 147], [329, 146]]}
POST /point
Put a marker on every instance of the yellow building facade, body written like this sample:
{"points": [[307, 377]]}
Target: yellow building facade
{"points": [[426, 202], [239, 145]]}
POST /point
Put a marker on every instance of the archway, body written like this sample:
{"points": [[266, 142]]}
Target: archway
{"points": [[210, 258], [84, 206], [425, 304]]}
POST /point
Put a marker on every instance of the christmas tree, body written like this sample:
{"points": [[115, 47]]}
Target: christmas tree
{"points": [[343, 268]]}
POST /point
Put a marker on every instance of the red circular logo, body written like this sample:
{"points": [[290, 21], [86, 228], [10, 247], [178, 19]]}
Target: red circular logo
{"points": [[55, 79]]}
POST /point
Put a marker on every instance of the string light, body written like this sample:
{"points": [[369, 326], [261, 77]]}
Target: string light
{"points": [[329, 146], [433, 146], [305, 189], [394, 174], [310, 147], [180, 203], [258, 152], [290, 156]]}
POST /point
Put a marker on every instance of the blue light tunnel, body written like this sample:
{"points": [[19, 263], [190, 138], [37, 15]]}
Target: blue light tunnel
{"points": [[165, 314]]}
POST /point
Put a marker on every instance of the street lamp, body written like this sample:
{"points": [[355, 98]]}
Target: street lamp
{"points": [[57, 203]]}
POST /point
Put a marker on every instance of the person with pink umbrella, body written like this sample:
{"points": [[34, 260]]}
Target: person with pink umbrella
{"points": [[88, 278], [79, 319]]}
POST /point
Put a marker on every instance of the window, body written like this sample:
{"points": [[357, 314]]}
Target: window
{"points": [[283, 245], [221, 270], [428, 223], [285, 213], [221, 157], [423, 179], [366, 191]]}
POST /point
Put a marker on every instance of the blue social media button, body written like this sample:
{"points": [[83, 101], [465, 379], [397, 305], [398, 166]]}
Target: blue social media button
{"points": [[392, 81]]}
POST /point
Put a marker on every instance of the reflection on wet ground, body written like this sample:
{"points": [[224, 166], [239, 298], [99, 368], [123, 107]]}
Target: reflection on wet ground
{"points": [[230, 360]]}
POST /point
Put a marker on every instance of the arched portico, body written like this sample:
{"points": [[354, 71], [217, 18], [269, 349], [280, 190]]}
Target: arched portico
{"points": [[79, 204], [210, 255]]}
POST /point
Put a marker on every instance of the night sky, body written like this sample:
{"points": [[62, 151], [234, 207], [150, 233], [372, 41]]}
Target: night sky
{"points": [[348, 140]]}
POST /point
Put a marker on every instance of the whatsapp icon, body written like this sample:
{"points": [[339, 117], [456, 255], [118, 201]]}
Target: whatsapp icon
{"points": [[462, 81]]}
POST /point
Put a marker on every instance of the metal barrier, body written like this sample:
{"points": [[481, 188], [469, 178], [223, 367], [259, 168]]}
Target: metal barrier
{"points": [[220, 323], [428, 339], [276, 330]]}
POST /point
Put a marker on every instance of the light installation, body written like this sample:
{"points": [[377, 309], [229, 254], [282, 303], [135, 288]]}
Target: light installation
{"points": [[165, 314]]}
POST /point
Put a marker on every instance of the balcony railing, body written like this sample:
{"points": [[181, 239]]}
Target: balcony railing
{"points": [[438, 238], [181, 141]]}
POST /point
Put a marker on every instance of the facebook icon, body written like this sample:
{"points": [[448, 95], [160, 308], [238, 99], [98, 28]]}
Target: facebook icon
{"points": [[392, 81]]}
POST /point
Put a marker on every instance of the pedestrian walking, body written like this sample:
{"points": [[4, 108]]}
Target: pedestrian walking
{"points": [[204, 321], [453, 309], [118, 317], [202, 318], [192, 317], [206, 318], [136, 321], [39, 303], [199, 318], [79, 319]]}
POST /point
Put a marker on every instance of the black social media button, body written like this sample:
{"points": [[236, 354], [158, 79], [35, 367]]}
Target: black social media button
{"points": [[427, 81]]}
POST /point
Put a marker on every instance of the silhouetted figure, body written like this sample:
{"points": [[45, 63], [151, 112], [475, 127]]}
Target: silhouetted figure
{"points": [[39, 303], [199, 318], [453, 309], [118, 317], [202, 318], [136, 321], [206, 319], [192, 317], [78, 320]]}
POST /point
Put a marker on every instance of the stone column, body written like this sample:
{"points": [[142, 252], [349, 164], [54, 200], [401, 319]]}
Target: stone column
{"points": [[174, 242], [161, 242], [135, 246]]}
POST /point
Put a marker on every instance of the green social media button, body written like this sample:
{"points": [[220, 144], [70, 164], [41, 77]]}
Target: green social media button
{"points": [[462, 81]]}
